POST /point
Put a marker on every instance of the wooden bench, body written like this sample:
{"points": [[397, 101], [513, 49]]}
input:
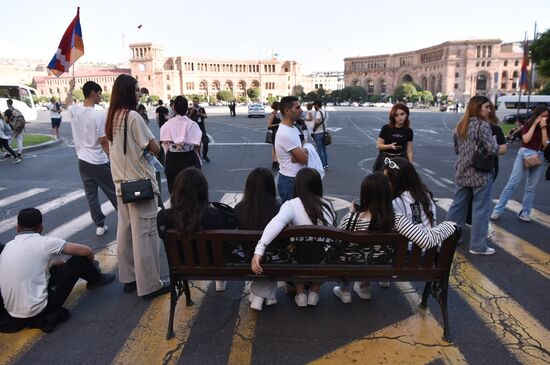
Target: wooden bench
{"points": [[226, 255]]}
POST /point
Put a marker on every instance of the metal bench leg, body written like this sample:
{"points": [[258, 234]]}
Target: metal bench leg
{"points": [[188, 301], [173, 301], [425, 295], [442, 300]]}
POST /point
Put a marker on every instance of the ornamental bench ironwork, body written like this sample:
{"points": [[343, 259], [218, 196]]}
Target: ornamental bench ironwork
{"points": [[308, 253]]}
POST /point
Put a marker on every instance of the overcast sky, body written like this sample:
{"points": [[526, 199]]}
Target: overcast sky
{"points": [[320, 33]]}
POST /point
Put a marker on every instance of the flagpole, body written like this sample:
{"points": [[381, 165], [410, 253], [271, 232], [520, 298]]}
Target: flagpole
{"points": [[532, 71], [519, 80]]}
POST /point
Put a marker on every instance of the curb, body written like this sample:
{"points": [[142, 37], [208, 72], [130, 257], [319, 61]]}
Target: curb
{"points": [[43, 145]]}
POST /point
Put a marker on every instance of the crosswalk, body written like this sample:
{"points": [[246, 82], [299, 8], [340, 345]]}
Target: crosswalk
{"points": [[416, 336]]}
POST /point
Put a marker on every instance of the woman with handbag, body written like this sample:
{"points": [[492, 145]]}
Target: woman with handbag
{"points": [[273, 122], [181, 141], [528, 162], [137, 192], [476, 148], [395, 138]]}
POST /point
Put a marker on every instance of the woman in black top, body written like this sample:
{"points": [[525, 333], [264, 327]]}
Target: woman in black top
{"points": [[395, 139], [256, 209], [273, 124]]}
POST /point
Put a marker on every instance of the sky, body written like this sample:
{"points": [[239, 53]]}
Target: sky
{"points": [[319, 34]]}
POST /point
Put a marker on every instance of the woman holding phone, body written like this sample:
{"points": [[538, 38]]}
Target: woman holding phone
{"points": [[395, 138]]}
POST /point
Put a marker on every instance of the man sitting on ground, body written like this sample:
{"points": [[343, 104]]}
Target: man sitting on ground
{"points": [[33, 284]]}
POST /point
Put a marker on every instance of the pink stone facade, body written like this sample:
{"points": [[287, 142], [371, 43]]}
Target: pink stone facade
{"points": [[459, 69]]}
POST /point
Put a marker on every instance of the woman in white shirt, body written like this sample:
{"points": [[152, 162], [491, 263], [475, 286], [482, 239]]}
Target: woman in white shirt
{"points": [[307, 208]]}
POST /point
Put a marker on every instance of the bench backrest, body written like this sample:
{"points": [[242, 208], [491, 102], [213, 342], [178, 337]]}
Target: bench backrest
{"points": [[311, 251]]}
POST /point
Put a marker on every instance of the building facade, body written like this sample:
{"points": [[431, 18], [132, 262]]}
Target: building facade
{"points": [[59, 86], [459, 69], [171, 76], [329, 81]]}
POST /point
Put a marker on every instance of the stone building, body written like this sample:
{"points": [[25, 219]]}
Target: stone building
{"points": [[329, 80], [459, 69], [59, 86], [170, 76]]}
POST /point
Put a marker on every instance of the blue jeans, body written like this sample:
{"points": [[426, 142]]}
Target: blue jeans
{"points": [[285, 185], [321, 148], [518, 172], [481, 210]]}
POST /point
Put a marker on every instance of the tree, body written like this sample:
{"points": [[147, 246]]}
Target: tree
{"points": [[253, 93], [154, 99], [358, 93], [425, 97], [78, 95], [212, 100], [321, 92], [106, 97], [43, 99], [545, 90], [311, 96], [540, 53], [405, 91], [225, 95], [298, 90], [271, 99]]}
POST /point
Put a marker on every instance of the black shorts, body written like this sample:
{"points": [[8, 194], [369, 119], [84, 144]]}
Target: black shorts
{"points": [[56, 122]]}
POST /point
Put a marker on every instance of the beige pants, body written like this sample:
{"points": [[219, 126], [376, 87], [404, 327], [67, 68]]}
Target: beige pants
{"points": [[138, 245]]}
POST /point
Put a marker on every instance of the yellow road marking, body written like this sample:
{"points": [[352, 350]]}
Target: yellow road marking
{"points": [[147, 344], [13, 345], [526, 338], [417, 339], [243, 333], [524, 251], [536, 215]]}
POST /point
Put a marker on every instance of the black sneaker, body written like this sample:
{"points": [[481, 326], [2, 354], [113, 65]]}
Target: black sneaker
{"points": [[206, 159], [103, 280], [130, 287], [164, 289]]}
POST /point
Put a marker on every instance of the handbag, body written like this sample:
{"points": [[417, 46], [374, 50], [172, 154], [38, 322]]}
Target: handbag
{"points": [[482, 161], [327, 138], [134, 190], [269, 137], [532, 161]]}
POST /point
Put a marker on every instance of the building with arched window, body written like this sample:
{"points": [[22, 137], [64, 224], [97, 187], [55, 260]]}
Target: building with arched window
{"points": [[181, 75], [459, 69]]}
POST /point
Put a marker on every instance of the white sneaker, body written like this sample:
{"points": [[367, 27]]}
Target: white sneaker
{"points": [[384, 284], [100, 231], [312, 298], [270, 301], [488, 251], [256, 302], [301, 300], [495, 216], [522, 217], [345, 297], [17, 160], [362, 291], [220, 285]]}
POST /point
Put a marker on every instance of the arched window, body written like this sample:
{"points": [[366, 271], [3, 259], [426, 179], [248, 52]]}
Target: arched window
{"points": [[481, 82]]}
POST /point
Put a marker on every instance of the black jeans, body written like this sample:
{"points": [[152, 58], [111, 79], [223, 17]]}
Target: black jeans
{"points": [[204, 140], [6, 145]]}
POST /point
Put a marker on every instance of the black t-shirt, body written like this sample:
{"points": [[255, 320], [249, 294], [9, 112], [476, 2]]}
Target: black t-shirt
{"points": [[400, 136], [194, 114], [499, 136], [162, 112], [241, 224]]}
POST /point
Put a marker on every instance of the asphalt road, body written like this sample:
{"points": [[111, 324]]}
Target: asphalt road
{"points": [[498, 305]]}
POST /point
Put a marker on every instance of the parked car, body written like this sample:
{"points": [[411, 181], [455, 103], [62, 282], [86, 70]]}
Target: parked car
{"points": [[511, 118], [256, 110]]}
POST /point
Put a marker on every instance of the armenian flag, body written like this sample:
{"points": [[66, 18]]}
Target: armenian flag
{"points": [[524, 79], [70, 49]]}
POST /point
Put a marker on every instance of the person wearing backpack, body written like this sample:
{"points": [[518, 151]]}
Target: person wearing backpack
{"points": [[17, 122], [5, 134], [319, 128]]}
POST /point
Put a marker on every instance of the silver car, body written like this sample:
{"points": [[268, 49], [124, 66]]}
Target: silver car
{"points": [[256, 110]]}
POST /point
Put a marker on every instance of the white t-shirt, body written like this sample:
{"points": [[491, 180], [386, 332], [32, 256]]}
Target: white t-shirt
{"points": [[320, 118], [53, 107], [287, 139], [24, 273], [412, 210], [88, 125], [292, 212]]}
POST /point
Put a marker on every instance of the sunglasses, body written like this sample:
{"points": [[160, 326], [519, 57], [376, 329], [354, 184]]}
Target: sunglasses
{"points": [[390, 163]]}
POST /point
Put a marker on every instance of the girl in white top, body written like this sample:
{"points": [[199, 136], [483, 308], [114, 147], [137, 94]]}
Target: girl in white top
{"points": [[307, 208], [375, 213]]}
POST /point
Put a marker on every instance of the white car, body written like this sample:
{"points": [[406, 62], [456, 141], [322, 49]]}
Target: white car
{"points": [[256, 110]]}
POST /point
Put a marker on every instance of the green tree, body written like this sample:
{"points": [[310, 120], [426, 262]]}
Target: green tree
{"points": [[78, 95], [405, 91], [225, 95], [311, 96], [335, 94], [545, 90], [253, 93], [242, 99], [43, 99], [375, 98], [425, 97], [106, 97], [540, 53], [321, 92], [212, 100], [271, 99], [345, 93], [358, 93], [154, 99], [298, 90]]}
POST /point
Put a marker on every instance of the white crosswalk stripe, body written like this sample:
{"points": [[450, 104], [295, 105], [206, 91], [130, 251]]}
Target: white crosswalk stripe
{"points": [[23, 195]]}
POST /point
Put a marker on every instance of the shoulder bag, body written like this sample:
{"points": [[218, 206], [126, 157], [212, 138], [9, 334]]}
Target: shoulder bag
{"points": [[327, 138], [482, 161], [532, 160], [134, 190]]}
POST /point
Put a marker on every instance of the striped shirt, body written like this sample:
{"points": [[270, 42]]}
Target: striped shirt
{"points": [[424, 238]]}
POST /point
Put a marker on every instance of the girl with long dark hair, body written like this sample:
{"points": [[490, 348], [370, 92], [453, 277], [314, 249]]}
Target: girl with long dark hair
{"points": [[256, 209], [375, 213], [474, 184], [273, 122], [181, 140], [138, 242], [308, 207], [534, 142]]}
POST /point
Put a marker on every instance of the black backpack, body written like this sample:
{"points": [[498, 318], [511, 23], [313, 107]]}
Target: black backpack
{"points": [[227, 213]]}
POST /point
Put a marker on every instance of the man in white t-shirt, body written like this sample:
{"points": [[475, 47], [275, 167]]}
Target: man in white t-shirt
{"points": [[319, 128], [290, 153], [92, 149], [55, 115], [33, 284]]}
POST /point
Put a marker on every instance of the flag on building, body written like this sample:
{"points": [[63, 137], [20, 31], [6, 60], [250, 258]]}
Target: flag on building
{"points": [[524, 78], [70, 49]]}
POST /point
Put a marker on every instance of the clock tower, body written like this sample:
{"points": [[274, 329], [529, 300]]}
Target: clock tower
{"points": [[147, 66]]}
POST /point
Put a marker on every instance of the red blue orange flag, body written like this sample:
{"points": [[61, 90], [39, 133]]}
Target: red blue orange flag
{"points": [[524, 79], [70, 49]]}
